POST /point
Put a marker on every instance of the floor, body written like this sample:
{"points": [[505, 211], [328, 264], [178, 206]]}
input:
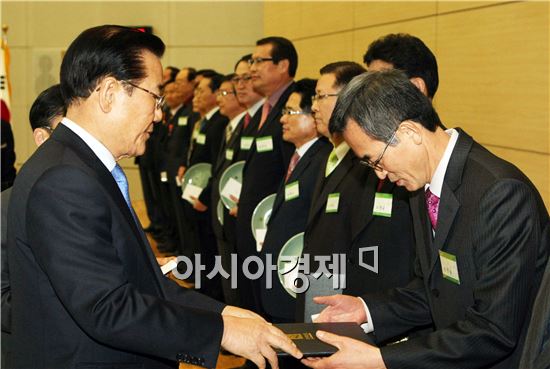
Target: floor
{"points": [[224, 361]]}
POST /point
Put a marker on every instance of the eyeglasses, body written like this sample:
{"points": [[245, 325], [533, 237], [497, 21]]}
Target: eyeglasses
{"points": [[289, 111], [244, 78], [376, 164], [159, 100], [319, 97], [225, 93], [258, 60]]}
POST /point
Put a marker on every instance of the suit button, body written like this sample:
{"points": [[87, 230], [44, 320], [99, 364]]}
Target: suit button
{"points": [[435, 292], [180, 357]]}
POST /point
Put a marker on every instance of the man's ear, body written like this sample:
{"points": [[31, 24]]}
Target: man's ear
{"points": [[420, 84], [412, 130], [283, 65], [107, 92], [40, 135]]}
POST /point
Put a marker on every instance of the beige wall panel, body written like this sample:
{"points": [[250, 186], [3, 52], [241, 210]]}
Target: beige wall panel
{"points": [[15, 15], [535, 166], [319, 18], [451, 6], [316, 52], [422, 28], [367, 13], [282, 19], [222, 59], [215, 23], [21, 80], [494, 79]]}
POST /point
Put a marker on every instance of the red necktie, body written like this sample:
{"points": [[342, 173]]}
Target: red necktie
{"points": [[432, 203], [266, 108], [246, 120], [292, 165]]}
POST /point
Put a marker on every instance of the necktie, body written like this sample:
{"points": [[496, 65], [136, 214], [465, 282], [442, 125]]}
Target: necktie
{"points": [[331, 162], [293, 161], [228, 133], [266, 108], [246, 120], [122, 182], [432, 203]]}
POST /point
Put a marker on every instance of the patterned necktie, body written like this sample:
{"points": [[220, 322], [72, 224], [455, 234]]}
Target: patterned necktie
{"points": [[266, 108], [432, 203], [122, 182], [247, 118], [228, 132], [292, 165], [331, 162]]}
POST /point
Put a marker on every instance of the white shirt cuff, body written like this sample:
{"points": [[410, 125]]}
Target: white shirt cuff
{"points": [[368, 327]]}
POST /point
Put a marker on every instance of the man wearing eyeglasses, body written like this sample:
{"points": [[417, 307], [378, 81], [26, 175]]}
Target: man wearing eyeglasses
{"points": [[481, 229], [272, 67], [86, 288]]}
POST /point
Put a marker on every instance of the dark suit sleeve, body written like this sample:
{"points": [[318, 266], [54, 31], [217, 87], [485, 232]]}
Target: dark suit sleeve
{"points": [[6, 290], [79, 255], [506, 238]]}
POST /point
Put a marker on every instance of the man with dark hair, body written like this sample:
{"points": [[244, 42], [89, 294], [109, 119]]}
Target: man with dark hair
{"points": [[93, 279], [294, 195], [268, 158], [169, 75], [352, 224], [409, 54], [481, 229]]}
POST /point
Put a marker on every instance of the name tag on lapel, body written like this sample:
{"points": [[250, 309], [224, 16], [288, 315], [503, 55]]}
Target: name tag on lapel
{"points": [[449, 267], [182, 121], [292, 190], [201, 138], [333, 200], [164, 176], [229, 154], [264, 144], [246, 142], [382, 204]]}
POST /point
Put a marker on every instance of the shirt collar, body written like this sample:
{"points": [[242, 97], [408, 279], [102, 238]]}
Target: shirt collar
{"points": [[175, 110], [277, 94], [209, 115], [233, 123], [254, 108], [341, 150], [305, 147], [97, 147], [436, 184]]}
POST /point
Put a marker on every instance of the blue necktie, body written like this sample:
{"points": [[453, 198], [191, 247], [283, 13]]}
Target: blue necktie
{"points": [[122, 183]]}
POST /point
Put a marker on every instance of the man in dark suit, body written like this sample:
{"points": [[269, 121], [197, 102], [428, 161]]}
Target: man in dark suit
{"points": [[293, 199], [272, 67], [86, 289], [481, 233]]}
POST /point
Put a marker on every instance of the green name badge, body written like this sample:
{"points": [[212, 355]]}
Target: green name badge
{"points": [[246, 142], [449, 267], [292, 191], [264, 144], [382, 204], [201, 138], [229, 154], [333, 200], [182, 121]]}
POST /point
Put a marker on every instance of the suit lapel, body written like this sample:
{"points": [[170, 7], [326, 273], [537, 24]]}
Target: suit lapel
{"points": [[368, 196]]}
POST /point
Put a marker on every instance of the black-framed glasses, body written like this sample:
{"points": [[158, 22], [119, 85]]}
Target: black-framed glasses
{"points": [[289, 111], [225, 93], [159, 100], [238, 79], [258, 60], [376, 164], [319, 97]]}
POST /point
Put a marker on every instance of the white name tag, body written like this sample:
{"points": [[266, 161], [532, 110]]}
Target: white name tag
{"points": [[264, 144], [449, 267], [201, 138], [182, 121], [191, 190], [382, 204], [246, 142], [260, 237], [333, 200], [163, 176], [178, 181], [229, 154], [292, 191]]}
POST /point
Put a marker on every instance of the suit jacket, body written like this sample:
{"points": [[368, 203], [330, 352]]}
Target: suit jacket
{"points": [[288, 218], [86, 288], [263, 172], [175, 144], [6, 290], [492, 219]]}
